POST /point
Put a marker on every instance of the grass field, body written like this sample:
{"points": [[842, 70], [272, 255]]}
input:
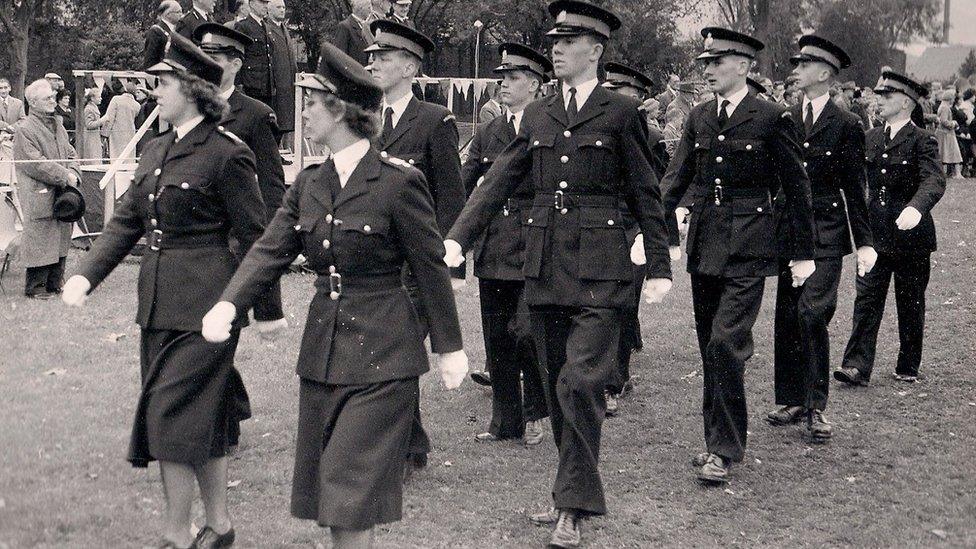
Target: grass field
{"points": [[900, 472]]}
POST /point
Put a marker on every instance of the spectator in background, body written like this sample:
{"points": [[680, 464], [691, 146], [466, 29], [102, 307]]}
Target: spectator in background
{"points": [[401, 13], [119, 122], [352, 35], [779, 93], [962, 133], [678, 110], [379, 9], [240, 14], [63, 109], [45, 239], [492, 107], [285, 66], [11, 112], [93, 137], [665, 97], [257, 76], [946, 134], [202, 12], [53, 78], [169, 13]]}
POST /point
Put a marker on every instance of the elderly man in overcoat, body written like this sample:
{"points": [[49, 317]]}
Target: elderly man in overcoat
{"points": [[41, 136]]}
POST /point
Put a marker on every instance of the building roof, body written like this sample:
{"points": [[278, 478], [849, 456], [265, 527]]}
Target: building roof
{"points": [[939, 62]]}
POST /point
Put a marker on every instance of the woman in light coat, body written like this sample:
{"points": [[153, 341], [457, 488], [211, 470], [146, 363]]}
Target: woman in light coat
{"points": [[946, 133], [119, 122], [93, 138]]}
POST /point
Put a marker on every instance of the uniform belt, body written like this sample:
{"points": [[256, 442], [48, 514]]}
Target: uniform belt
{"points": [[833, 193], [722, 193], [516, 204], [339, 284], [157, 240], [561, 200]]}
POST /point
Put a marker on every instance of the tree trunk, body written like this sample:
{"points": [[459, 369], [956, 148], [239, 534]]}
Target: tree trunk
{"points": [[16, 20], [759, 11]]}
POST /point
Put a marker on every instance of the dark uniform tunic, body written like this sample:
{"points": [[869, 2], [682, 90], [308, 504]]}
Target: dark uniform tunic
{"points": [[255, 123], [733, 173], [426, 137], [509, 349], [191, 20], [578, 273], [257, 74], [833, 154], [905, 172], [363, 346], [187, 197]]}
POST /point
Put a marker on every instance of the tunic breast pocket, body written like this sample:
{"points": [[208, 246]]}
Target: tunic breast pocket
{"points": [[753, 227], [596, 154], [359, 238], [831, 221], [541, 148], [181, 197], [744, 154], [534, 224], [604, 253]]}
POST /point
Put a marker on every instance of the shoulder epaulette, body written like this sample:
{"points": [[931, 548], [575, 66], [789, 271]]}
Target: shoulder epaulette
{"points": [[394, 161], [224, 131], [448, 118]]}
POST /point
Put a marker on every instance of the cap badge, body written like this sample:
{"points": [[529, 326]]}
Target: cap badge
{"points": [[561, 18], [504, 56], [709, 41]]}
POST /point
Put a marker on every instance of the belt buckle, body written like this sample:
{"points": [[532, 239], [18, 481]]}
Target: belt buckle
{"points": [[558, 200], [507, 208], [335, 286], [718, 195], [155, 238]]}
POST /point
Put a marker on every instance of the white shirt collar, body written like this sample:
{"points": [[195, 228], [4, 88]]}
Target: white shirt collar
{"points": [[518, 118], [399, 106], [170, 26], [187, 127], [347, 159], [258, 19], [819, 103], [228, 92], [583, 92], [202, 13], [897, 126], [733, 100]]}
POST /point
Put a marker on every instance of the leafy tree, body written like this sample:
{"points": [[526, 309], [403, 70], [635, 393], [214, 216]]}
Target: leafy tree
{"points": [[16, 20], [968, 67]]}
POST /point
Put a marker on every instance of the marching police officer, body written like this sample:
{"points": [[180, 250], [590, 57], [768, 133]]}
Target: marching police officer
{"points": [[905, 181], [585, 152], [833, 154], [358, 218], [254, 122], [633, 83], [735, 155], [509, 349], [194, 188], [422, 134], [257, 77]]}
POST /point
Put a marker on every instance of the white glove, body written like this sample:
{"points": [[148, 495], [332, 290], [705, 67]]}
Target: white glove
{"points": [[453, 367], [458, 283], [866, 258], [802, 270], [908, 219], [681, 214], [637, 255], [269, 328], [675, 253], [217, 322], [656, 288], [75, 291], [454, 255]]}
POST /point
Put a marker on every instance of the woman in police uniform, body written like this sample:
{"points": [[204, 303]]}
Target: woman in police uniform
{"points": [[194, 187], [357, 218]]}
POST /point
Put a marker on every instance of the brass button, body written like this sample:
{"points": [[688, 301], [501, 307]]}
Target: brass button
{"points": [[748, 147], [485, 159], [326, 244], [153, 222], [367, 228], [759, 209], [535, 143], [721, 138], [834, 204], [152, 197], [804, 164], [903, 162], [564, 211], [157, 172], [384, 154], [609, 222], [718, 181], [697, 145], [806, 145], [884, 170], [530, 220], [298, 227], [328, 218], [221, 128], [566, 133], [719, 159], [828, 153], [885, 155], [334, 296], [599, 143], [412, 161], [184, 185], [563, 184], [564, 159]]}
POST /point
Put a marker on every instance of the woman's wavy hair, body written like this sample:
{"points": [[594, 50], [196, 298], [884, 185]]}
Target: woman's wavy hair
{"points": [[205, 95], [363, 123]]}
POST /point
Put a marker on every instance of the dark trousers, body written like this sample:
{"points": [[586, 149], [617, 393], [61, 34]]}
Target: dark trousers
{"points": [[577, 348], [630, 335], [802, 344], [725, 312], [419, 441], [44, 279], [509, 354], [911, 274]]}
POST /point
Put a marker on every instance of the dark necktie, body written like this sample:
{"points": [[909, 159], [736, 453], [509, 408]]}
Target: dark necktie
{"points": [[887, 136], [334, 186], [387, 125], [511, 124], [808, 118], [571, 109], [723, 113]]}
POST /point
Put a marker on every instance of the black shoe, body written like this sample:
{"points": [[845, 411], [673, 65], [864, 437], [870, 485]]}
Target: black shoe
{"points": [[43, 296], [715, 470], [567, 532], [907, 378], [208, 539], [482, 378], [786, 415], [818, 428], [850, 376], [613, 408], [418, 460]]}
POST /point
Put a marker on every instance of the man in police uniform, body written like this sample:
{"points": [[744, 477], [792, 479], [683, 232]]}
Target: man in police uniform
{"points": [[422, 134], [257, 76], [905, 181], [509, 349], [585, 150], [253, 122], [632, 83], [201, 12], [833, 153], [735, 155]]}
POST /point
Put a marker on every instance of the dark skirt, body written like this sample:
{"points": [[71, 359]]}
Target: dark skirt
{"points": [[350, 452], [192, 399]]}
